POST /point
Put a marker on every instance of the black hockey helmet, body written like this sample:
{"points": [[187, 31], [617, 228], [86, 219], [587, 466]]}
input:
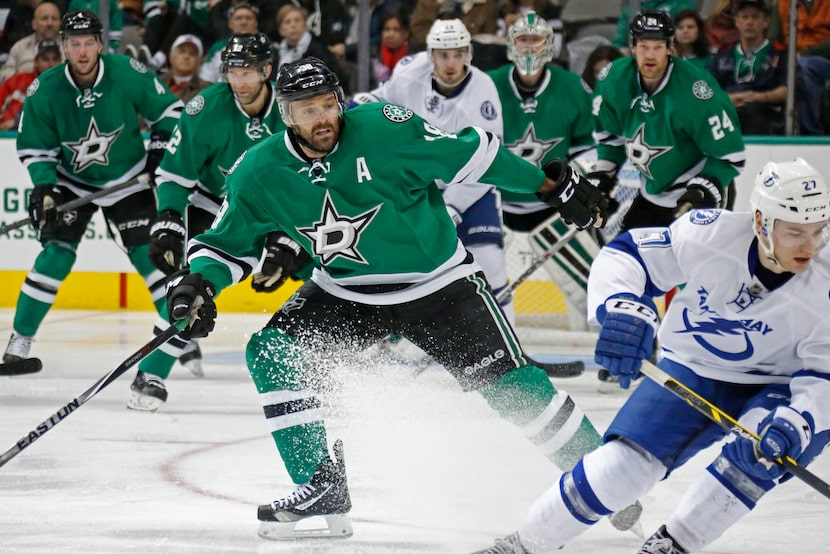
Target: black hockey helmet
{"points": [[247, 50], [82, 22], [652, 25], [305, 78]]}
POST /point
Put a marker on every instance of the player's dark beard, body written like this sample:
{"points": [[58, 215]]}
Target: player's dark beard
{"points": [[316, 148]]}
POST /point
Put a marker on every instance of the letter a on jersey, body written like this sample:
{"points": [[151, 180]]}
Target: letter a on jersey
{"points": [[336, 235]]}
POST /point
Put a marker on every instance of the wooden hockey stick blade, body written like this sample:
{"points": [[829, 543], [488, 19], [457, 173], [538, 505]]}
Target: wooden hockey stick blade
{"points": [[80, 201], [537, 263], [80, 400], [728, 422], [22, 367]]}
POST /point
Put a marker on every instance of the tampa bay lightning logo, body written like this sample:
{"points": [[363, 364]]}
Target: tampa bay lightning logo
{"points": [[728, 339], [488, 111], [433, 104], [703, 217]]}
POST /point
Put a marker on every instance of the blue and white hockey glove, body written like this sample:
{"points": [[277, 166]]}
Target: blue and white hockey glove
{"points": [[627, 335], [784, 432]]}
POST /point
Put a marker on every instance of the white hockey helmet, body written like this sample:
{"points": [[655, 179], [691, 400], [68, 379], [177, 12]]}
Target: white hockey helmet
{"points": [[530, 25], [449, 33], [789, 191]]}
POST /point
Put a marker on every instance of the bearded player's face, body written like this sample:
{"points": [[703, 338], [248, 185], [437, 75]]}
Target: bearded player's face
{"points": [[317, 122]]}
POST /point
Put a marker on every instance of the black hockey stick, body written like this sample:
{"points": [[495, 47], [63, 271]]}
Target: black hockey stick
{"points": [[80, 201], [103, 382], [728, 422]]}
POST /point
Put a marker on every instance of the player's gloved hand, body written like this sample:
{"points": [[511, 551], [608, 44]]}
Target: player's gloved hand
{"points": [[190, 296], [166, 247], [578, 201], [783, 432], [155, 152], [701, 192], [627, 335], [283, 259], [43, 203], [606, 184]]}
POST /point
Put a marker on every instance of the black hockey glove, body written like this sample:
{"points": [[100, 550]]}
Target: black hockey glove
{"points": [[701, 192], [155, 152], [578, 201], [189, 296], [283, 259], [166, 246], [43, 203], [606, 184]]}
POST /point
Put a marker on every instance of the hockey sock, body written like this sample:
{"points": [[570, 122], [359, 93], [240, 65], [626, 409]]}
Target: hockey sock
{"points": [[155, 279], [292, 409], [549, 418], [40, 289]]}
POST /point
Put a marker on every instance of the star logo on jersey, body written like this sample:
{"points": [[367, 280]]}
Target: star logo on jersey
{"points": [[94, 148], [641, 154], [337, 235], [531, 148]]}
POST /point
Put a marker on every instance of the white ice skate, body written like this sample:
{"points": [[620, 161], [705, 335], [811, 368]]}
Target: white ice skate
{"points": [[508, 545], [148, 393], [661, 543]]}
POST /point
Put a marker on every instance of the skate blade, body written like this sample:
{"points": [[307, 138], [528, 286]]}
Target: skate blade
{"points": [[22, 367], [337, 526], [143, 403]]}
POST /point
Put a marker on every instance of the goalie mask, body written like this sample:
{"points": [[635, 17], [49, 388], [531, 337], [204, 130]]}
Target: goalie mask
{"points": [[530, 43], [789, 191], [306, 78], [247, 50]]}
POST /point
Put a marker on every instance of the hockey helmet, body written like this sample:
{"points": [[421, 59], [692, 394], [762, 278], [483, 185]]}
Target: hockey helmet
{"points": [[247, 50], [305, 78], [652, 25], [449, 33], [530, 25], [82, 22]]}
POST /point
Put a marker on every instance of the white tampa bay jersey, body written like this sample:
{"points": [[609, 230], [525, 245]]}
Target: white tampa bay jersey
{"points": [[724, 324]]}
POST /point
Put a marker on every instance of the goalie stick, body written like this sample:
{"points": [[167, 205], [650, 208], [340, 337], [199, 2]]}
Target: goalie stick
{"points": [[85, 396], [80, 201], [728, 422]]}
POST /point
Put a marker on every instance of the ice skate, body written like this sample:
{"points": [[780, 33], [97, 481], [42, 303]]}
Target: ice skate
{"points": [[661, 543], [191, 359], [508, 545], [149, 393], [628, 519], [325, 496], [18, 348]]}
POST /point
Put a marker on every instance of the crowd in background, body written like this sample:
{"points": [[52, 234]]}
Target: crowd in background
{"points": [[182, 40]]}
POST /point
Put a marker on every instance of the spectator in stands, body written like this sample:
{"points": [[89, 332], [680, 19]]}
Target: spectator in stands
{"points": [[13, 89], [18, 24], [394, 43], [599, 57], [690, 41], [45, 24], [185, 60], [671, 7], [478, 16], [754, 72], [813, 49], [243, 18], [720, 27], [297, 41], [164, 21]]}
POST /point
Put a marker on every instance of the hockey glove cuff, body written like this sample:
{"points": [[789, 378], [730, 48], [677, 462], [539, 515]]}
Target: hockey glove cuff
{"points": [[190, 296], [283, 259], [626, 338], [701, 192], [577, 200]]}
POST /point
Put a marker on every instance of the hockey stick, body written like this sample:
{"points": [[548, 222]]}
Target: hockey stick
{"points": [[80, 201], [727, 422], [537, 263], [103, 382]]}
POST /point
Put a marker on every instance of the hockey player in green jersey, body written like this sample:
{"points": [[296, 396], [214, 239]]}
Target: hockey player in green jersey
{"points": [[387, 260], [217, 126], [672, 121], [79, 133]]}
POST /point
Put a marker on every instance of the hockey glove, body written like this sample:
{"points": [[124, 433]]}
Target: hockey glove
{"points": [[578, 201], [606, 185], [783, 432], [283, 259], [701, 192], [166, 246], [189, 296], [627, 335], [43, 203], [155, 152]]}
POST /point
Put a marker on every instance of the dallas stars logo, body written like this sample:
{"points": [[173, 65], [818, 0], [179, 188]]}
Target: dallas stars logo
{"points": [[641, 153], [336, 235], [531, 148], [94, 148]]}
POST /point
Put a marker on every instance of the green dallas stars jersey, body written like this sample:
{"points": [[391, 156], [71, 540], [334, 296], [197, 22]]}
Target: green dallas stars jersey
{"points": [[213, 131], [369, 212], [92, 136], [688, 127], [555, 123]]}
